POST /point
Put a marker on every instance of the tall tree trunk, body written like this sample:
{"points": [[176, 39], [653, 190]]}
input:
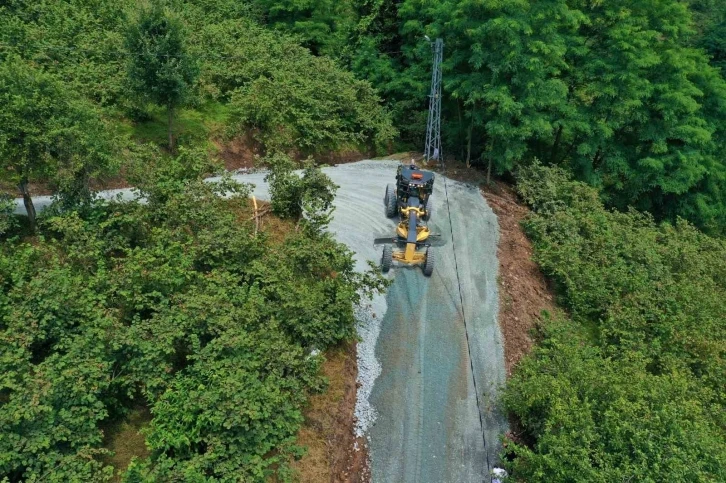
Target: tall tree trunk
{"points": [[170, 119], [598, 157], [28, 202], [461, 128], [556, 145], [468, 142], [569, 150]]}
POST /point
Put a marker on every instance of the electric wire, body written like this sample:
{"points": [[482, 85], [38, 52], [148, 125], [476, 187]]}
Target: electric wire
{"points": [[37, 49], [466, 333]]}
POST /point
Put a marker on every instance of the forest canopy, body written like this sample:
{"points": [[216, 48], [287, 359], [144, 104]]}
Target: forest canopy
{"points": [[629, 96]]}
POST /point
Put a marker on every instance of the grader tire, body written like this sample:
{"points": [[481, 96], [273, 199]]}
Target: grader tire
{"points": [[429, 210], [387, 259], [428, 267], [391, 201]]}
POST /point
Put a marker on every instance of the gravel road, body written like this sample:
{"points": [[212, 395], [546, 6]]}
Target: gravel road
{"points": [[431, 354]]}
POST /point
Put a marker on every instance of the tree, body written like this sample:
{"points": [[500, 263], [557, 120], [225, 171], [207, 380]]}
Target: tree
{"points": [[174, 302], [709, 18], [159, 67], [715, 43], [48, 133], [322, 25], [307, 198], [309, 104]]}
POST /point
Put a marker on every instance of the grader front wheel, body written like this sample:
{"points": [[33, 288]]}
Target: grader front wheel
{"points": [[429, 210], [387, 259]]}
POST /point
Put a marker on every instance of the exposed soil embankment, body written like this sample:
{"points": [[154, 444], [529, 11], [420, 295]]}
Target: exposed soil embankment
{"points": [[241, 153], [334, 453], [524, 292]]}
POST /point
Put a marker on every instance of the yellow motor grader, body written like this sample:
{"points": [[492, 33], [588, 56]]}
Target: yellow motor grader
{"points": [[410, 200]]}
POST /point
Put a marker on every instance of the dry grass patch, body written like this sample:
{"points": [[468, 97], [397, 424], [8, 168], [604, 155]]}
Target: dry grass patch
{"points": [[126, 441]]}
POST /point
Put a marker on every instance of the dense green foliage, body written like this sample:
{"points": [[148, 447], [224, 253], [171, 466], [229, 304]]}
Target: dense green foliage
{"points": [[632, 386], [322, 25], [629, 96], [49, 133], [174, 304], [626, 94], [710, 22], [307, 198], [612, 90], [122, 55], [177, 305]]}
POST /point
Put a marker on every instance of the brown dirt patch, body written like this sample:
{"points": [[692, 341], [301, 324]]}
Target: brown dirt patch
{"points": [[125, 440], [36, 189], [328, 428], [523, 289], [237, 154], [342, 157], [277, 229], [240, 152]]}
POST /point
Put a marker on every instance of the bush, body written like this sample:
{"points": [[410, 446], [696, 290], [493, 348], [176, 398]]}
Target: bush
{"points": [[172, 303], [7, 218], [292, 100], [632, 386], [307, 198], [600, 419]]}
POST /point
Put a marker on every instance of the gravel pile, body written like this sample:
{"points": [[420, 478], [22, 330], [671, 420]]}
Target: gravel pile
{"points": [[369, 319]]}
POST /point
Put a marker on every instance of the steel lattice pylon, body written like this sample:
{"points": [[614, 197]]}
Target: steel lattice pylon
{"points": [[433, 126]]}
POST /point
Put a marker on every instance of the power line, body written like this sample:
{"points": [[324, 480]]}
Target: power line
{"points": [[466, 333], [118, 53]]}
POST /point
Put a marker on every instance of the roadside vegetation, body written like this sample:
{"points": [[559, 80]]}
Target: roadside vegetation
{"points": [[174, 305], [174, 73], [630, 386]]}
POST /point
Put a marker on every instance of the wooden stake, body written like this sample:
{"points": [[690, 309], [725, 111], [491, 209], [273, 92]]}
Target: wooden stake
{"points": [[257, 218]]}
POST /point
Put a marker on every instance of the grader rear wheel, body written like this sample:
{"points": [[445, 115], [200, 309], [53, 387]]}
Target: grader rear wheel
{"points": [[428, 267], [391, 201]]}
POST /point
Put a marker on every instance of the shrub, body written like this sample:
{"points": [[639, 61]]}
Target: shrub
{"points": [[631, 387], [173, 303], [308, 198]]}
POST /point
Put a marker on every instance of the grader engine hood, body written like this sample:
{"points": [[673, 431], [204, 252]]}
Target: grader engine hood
{"points": [[415, 183]]}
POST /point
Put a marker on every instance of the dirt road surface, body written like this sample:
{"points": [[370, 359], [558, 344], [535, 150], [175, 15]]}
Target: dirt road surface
{"points": [[431, 357]]}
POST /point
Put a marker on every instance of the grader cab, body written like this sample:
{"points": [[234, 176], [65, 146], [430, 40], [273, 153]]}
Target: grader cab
{"points": [[413, 189]]}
